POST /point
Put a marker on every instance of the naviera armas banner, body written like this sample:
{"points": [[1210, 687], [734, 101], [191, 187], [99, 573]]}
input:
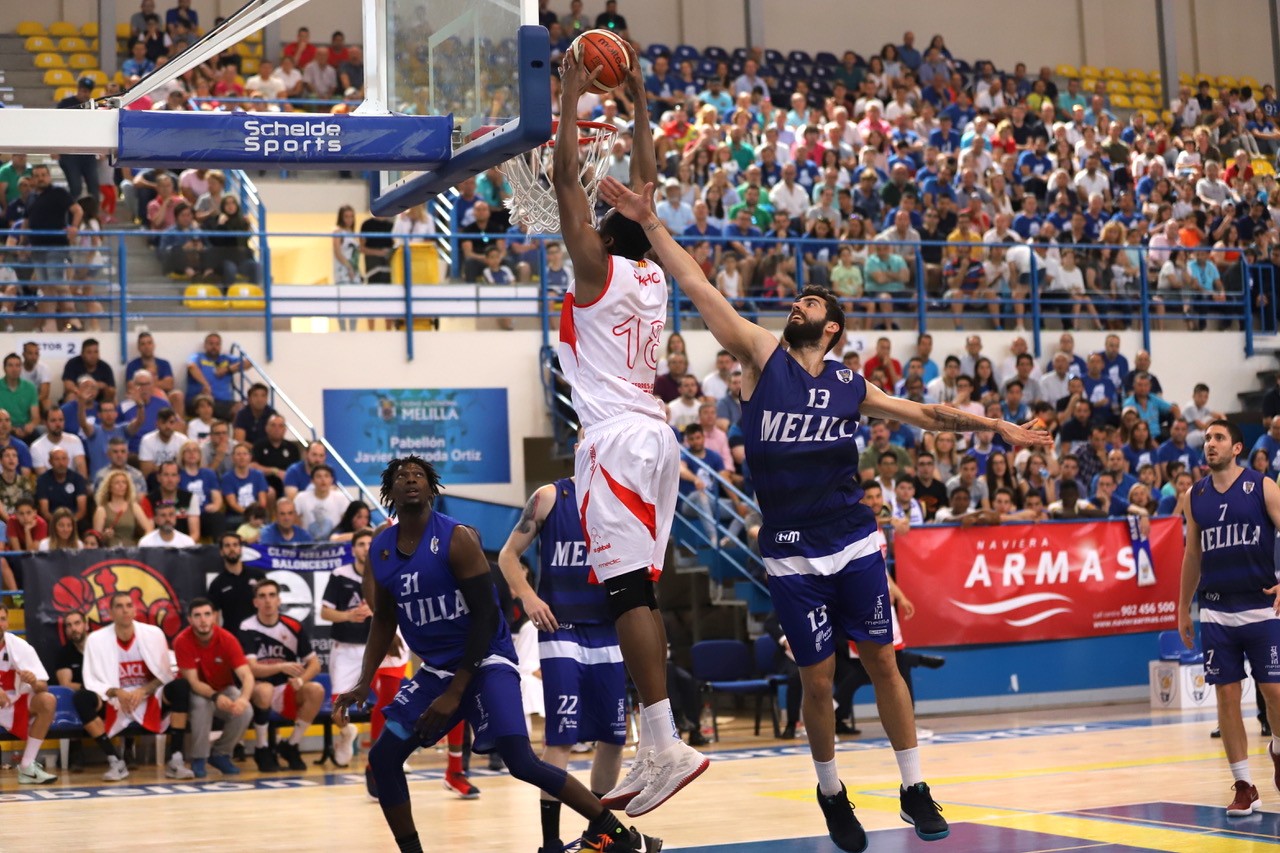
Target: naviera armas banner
{"points": [[1023, 582]]}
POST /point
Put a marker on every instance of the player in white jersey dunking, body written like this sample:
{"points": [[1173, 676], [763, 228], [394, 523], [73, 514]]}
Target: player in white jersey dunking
{"points": [[627, 463], [800, 414], [1230, 565]]}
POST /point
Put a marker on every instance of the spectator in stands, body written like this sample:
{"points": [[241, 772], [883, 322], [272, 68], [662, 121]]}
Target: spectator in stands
{"points": [[302, 51], [26, 528], [166, 533], [137, 65], [27, 708], [351, 71], [210, 372], [1182, 483], [55, 437], [1197, 414], [255, 519], [203, 484], [959, 509], [321, 507], [229, 254], [160, 369], [1070, 505], [273, 454], [119, 515], [53, 220], [184, 250], [215, 454], [700, 469], [142, 413], [88, 362], [667, 386], [355, 518], [14, 483], [683, 410], [162, 211], [1178, 449], [182, 14], [319, 77], [118, 460], [19, 401], [231, 590], [61, 487], [162, 444], [168, 489], [201, 424], [250, 423], [37, 373], [1105, 496], [213, 663], [242, 486], [297, 477], [1150, 407], [967, 477], [265, 83]]}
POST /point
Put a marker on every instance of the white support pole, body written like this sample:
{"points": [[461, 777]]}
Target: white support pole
{"points": [[107, 36], [377, 58], [61, 132]]}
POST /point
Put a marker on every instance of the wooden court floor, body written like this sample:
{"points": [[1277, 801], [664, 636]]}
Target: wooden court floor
{"points": [[1109, 778]]}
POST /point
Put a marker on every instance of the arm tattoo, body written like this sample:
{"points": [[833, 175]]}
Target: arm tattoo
{"points": [[947, 419], [527, 525]]}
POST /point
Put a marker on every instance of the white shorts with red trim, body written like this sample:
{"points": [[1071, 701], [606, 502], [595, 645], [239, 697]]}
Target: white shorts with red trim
{"points": [[284, 701], [15, 716], [627, 473], [150, 715]]}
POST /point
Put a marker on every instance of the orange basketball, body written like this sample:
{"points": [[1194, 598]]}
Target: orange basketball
{"points": [[604, 50]]}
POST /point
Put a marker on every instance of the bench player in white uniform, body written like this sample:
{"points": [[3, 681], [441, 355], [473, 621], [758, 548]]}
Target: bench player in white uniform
{"points": [[817, 539], [26, 705], [627, 463]]}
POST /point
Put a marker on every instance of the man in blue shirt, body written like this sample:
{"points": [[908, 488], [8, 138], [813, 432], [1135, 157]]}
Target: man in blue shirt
{"points": [[285, 530], [1034, 168], [1027, 223], [907, 51], [209, 372], [1114, 364], [151, 405], [1106, 497], [1149, 407], [716, 96], [137, 65], [1100, 391], [699, 486], [663, 86], [946, 138], [1176, 449]]}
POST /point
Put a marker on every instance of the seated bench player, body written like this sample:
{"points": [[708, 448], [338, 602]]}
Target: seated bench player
{"points": [[26, 705]]}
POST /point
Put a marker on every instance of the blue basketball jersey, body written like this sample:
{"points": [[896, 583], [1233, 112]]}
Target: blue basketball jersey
{"points": [[1238, 542], [563, 580], [799, 440], [433, 616]]}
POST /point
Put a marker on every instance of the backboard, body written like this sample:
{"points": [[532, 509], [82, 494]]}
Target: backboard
{"points": [[486, 63]]}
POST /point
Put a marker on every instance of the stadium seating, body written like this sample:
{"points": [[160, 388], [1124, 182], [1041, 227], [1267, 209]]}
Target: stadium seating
{"points": [[245, 297], [1068, 71], [49, 60], [90, 30], [81, 61], [31, 28], [59, 77], [72, 44], [203, 297], [39, 44], [59, 29]]}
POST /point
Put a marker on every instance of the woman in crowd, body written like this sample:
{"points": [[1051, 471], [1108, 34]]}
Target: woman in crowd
{"points": [[119, 515], [62, 533], [232, 257], [1000, 475], [1140, 449], [355, 517]]}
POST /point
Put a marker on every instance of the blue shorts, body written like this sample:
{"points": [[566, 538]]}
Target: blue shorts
{"points": [[809, 605], [584, 684], [491, 705], [1227, 646]]}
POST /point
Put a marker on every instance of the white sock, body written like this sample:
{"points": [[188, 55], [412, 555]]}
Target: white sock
{"points": [[663, 733], [1240, 771], [643, 738], [909, 765], [260, 735], [298, 733], [32, 752], [828, 777]]}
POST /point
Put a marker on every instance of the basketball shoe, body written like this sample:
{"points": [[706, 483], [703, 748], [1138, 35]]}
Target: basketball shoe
{"points": [[265, 758], [292, 756], [919, 810], [670, 771], [842, 825], [1245, 800], [175, 769], [633, 783], [116, 770], [621, 840], [461, 785], [34, 774], [344, 745]]}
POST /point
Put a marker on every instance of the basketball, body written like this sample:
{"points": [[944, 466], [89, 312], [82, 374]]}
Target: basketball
{"points": [[604, 50], [73, 594]]}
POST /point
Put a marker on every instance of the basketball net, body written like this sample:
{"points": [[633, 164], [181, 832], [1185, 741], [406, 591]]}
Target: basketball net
{"points": [[533, 198]]}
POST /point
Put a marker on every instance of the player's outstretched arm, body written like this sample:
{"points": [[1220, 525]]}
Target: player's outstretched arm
{"points": [[939, 417], [522, 536], [644, 157], [1191, 554], [577, 220], [382, 629], [749, 343]]}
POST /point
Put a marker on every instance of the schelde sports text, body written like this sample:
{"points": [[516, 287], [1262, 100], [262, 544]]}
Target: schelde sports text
{"points": [[272, 136]]}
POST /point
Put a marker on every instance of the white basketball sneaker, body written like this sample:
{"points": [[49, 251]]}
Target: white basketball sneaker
{"points": [[116, 770], [344, 744], [634, 782], [673, 769], [176, 769]]}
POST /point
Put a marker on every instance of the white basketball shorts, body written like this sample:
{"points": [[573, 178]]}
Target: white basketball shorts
{"points": [[627, 473]]}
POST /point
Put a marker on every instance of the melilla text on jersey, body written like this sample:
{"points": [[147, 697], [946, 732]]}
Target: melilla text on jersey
{"points": [[794, 427], [439, 608], [1229, 536]]}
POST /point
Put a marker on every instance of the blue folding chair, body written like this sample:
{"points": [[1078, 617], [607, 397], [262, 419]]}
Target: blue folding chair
{"points": [[726, 666], [715, 54], [799, 57], [824, 58], [655, 50], [687, 51]]}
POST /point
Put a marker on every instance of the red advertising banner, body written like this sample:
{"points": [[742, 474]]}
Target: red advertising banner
{"points": [[1017, 583]]}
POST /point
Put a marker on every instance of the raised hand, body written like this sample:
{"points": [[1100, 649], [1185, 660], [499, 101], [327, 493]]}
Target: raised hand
{"points": [[637, 208], [1032, 434], [574, 79]]}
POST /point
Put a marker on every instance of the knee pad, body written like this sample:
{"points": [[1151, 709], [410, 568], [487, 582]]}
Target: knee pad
{"points": [[518, 755], [386, 768], [629, 591], [177, 695], [261, 716], [86, 703]]}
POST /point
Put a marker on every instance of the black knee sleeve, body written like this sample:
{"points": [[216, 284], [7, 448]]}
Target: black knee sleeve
{"points": [[518, 755], [386, 767], [87, 704], [261, 716], [629, 591], [177, 696]]}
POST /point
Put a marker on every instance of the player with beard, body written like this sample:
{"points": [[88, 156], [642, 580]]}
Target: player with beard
{"points": [[799, 416], [231, 589], [429, 577]]}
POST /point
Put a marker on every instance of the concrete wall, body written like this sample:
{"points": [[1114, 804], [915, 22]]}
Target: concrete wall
{"points": [[1214, 36]]}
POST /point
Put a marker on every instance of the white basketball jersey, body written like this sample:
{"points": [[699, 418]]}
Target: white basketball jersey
{"points": [[609, 347]]}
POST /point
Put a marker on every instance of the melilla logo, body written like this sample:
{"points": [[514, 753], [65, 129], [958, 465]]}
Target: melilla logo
{"points": [[275, 136]]}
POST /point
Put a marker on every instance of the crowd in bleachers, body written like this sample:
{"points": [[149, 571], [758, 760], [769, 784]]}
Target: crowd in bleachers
{"points": [[98, 461]]}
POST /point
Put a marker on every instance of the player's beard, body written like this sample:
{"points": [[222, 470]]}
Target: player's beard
{"points": [[803, 335]]}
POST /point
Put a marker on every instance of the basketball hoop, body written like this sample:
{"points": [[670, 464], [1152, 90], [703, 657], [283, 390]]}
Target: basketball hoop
{"points": [[533, 198]]}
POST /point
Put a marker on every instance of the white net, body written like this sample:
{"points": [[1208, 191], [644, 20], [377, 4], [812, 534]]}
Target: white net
{"points": [[533, 198]]}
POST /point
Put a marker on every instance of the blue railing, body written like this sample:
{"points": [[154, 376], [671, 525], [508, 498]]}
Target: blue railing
{"points": [[62, 283]]}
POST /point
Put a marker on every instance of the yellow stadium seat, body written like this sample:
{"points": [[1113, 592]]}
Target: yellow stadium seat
{"points": [[38, 44], [80, 61], [1185, 79], [1110, 73], [30, 28], [1117, 87], [250, 65], [1137, 75], [93, 45], [1144, 102], [203, 297], [50, 60], [99, 78], [1090, 71], [123, 31], [59, 77], [63, 92], [58, 29], [245, 297], [1166, 116], [98, 93], [1068, 71], [1121, 102], [1089, 85], [118, 79], [255, 38], [1226, 81], [1137, 88], [90, 30], [72, 44], [1204, 78], [1246, 80], [1151, 116], [1263, 167]]}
